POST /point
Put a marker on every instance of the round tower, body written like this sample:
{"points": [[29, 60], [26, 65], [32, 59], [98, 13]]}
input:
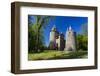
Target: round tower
{"points": [[70, 44], [52, 44]]}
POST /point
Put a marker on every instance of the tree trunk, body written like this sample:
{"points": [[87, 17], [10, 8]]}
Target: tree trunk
{"points": [[38, 48]]}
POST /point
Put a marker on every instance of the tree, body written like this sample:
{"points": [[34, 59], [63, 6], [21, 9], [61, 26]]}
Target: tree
{"points": [[32, 38], [84, 29], [82, 39], [82, 42], [36, 26]]}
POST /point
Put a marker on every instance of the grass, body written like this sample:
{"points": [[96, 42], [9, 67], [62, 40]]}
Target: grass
{"points": [[52, 54]]}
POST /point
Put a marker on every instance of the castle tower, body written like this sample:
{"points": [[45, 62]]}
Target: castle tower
{"points": [[70, 44], [52, 44]]}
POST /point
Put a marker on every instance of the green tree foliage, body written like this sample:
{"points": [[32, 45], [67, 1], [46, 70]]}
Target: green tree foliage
{"points": [[84, 29], [36, 27], [82, 42], [82, 39]]}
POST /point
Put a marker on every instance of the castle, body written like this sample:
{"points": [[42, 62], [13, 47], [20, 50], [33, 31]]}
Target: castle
{"points": [[58, 41]]}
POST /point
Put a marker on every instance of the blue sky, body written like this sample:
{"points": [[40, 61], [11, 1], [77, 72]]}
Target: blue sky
{"points": [[62, 23]]}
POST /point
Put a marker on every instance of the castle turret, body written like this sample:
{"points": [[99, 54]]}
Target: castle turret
{"points": [[70, 44], [52, 44]]}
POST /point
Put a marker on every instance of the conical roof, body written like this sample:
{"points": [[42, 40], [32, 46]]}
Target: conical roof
{"points": [[54, 28], [70, 28]]}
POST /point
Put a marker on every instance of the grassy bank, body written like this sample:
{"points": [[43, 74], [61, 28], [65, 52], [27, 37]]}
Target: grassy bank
{"points": [[52, 54]]}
